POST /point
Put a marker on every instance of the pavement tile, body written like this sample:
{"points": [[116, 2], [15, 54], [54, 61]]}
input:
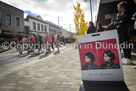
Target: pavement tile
{"points": [[56, 73]]}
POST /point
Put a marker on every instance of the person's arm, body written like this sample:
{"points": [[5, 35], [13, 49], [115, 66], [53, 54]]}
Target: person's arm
{"points": [[122, 20], [117, 21], [134, 17]]}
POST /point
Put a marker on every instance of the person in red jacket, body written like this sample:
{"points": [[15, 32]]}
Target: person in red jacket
{"points": [[33, 42], [51, 40]]}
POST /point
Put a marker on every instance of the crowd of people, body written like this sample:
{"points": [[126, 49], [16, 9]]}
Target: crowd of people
{"points": [[41, 43], [125, 24]]}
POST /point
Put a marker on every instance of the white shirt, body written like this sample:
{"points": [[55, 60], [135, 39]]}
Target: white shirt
{"points": [[135, 25]]}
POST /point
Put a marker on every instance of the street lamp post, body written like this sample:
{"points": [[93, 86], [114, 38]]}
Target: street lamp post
{"points": [[70, 31], [90, 9], [59, 21], [70, 27]]}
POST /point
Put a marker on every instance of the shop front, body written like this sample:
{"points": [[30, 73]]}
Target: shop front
{"points": [[6, 35]]}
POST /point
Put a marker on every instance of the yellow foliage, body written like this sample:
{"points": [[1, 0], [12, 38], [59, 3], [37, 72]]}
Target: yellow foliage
{"points": [[80, 24]]}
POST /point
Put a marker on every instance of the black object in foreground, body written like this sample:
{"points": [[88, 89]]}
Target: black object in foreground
{"points": [[103, 86]]}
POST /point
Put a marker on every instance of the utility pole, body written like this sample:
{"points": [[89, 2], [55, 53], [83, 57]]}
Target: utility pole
{"points": [[58, 21], [70, 27], [90, 9], [70, 32]]}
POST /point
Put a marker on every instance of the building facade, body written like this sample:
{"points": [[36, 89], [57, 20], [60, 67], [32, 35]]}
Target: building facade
{"points": [[107, 9], [65, 33], [36, 24], [53, 28], [11, 22]]}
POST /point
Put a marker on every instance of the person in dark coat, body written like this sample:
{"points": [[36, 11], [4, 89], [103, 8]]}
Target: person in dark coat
{"points": [[99, 27], [92, 28], [121, 22], [89, 58], [134, 19], [109, 57], [133, 32], [111, 26]]}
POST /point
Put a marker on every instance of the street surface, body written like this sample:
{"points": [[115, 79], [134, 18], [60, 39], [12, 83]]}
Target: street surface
{"points": [[57, 71]]}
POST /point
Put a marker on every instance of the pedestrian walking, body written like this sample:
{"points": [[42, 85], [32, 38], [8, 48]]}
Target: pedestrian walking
{"points": [[19, 46], [30, 43], [24, 43], [46, 41], [56, 38], [33, 42], [39, 42], [51, 41]]}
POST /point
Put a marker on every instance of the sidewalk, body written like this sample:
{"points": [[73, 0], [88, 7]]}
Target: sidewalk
{"points": [[59, 72], [51, 74]]}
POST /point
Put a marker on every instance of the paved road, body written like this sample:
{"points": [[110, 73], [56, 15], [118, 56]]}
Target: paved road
{"points": [[58, 71], [41, 73]]}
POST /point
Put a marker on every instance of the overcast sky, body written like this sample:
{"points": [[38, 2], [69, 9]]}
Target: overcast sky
{"points": [[51, 9]]}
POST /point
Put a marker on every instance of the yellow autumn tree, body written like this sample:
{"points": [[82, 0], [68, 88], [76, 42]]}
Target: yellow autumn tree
{"points": [[80, 24], [83, 25]]}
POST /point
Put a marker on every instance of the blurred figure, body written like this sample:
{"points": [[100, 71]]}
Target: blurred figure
{"points": [[30, 42], [121, 22], [134, 19], [92, 28], [56, 39], [18, 46], [99, 27], [24, 41], [39, 42], [51, 42], [111, 26], [33, 42], [46, 41]]}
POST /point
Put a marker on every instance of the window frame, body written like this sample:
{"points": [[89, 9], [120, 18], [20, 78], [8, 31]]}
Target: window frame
{"points": [[42, 27], [19, 21], [38, 26], [45, 28], [10, 21], [34, 27]]}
